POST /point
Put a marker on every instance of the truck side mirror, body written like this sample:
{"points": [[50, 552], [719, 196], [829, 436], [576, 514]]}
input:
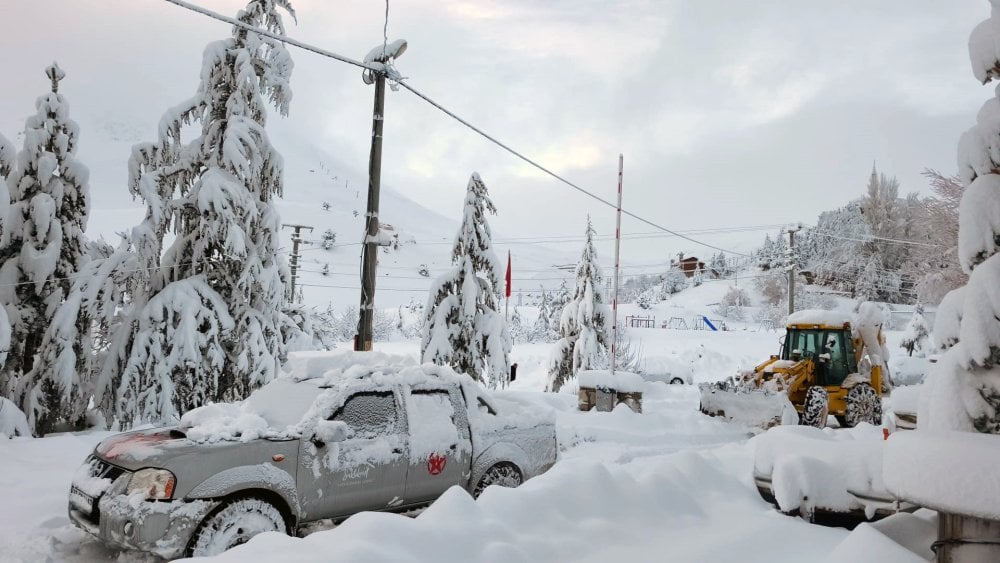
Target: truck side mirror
{"points": [[330, 431]]}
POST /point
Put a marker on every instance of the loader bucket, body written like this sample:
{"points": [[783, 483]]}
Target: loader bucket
{"points": [[759, 408]]}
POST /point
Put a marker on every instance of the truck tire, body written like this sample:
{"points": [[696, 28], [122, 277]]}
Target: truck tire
{"points": [[677, 381], [501, 474], [233, 523], [815, 408], [863, 405]]}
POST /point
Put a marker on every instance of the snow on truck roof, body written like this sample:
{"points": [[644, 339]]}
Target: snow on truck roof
{"points": [[819, 317], [313, 387]]}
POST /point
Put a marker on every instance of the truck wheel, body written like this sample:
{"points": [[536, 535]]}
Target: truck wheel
{"points": [[233, 523], [815, 408], [863, 405], [501, 474], [677, 381]]}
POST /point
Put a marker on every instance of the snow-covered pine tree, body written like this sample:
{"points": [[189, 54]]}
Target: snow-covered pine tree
{"points": [[916, 333], [542, 329], [965, 393], [463, 327], [559, 300], [208, 324], [583, 327], [518, 333], [43, 248]]}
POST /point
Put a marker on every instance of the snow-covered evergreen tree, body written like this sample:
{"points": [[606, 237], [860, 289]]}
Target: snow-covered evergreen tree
{"points": [[463, 327], [515, 326], [882, 211], [206, 321], [965, 393], [43, 249], [583, 326], [542, 329], [916, 334], [559, 300]]}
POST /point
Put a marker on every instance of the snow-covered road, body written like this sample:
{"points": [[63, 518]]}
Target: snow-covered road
{"points": [[667, 484]]}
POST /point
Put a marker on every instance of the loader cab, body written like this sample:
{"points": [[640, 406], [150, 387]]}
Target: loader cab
{"points": [[830, 349]]}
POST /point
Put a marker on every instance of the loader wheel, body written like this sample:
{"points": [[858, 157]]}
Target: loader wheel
{"points": [[863, 405], [815, 408]]}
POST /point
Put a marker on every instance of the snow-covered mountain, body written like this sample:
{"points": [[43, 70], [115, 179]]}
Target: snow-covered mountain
{"points": [[326, 193]]}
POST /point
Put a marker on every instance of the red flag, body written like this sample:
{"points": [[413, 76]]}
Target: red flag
{"points": [[508, 274]]}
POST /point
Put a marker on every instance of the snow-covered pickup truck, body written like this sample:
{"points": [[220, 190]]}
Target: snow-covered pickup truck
{"points": [[342, 434]]}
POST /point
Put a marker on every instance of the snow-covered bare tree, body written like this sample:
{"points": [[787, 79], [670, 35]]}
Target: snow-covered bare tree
{"points": [[8, 157], [583, 326], [934, 263], [966, 383], [463, 327], [916, 334], [674, 281], [42, 250], [206, 323]]}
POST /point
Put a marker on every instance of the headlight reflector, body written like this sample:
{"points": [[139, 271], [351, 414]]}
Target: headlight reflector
{"points": [[157, 484]]}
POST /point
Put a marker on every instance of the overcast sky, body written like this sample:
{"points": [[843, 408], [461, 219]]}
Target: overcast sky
{"points": [[729, 113]]}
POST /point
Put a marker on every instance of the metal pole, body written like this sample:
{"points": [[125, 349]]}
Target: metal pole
{"points": [[790, 265], [614, 290], [369, 254]]}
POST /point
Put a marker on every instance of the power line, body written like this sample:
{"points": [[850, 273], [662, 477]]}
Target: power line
{"points": [[556, 176], [394, 77], [275, 36], [873, 238]]}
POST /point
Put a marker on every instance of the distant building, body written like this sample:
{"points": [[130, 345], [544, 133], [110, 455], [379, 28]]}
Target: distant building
{"points": [[691, 265]]}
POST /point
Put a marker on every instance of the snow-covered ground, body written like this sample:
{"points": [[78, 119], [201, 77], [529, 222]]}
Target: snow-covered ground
{"points": [[668, 484]]}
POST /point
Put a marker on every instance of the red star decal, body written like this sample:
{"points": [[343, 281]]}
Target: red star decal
{"points": [[436, 463]]}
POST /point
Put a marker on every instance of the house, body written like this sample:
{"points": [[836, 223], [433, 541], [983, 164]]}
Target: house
{"points": [[690, 265]]}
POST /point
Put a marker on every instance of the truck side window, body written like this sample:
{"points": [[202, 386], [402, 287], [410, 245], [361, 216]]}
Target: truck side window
{"points": [[369, 415], [432, 420]]}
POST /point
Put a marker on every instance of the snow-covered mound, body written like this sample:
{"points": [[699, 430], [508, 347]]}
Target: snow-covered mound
{"points": [[949, 471], [812, 468]]}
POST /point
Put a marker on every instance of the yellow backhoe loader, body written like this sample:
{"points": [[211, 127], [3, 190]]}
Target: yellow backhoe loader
{"points": [[830, 363]]}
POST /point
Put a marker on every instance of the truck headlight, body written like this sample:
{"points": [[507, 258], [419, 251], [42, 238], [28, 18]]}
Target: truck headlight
{"points": [[156, 484]]}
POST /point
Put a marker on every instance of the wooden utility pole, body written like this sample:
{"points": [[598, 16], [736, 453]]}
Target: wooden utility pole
{"points": [[369, 253], [790, 266], [294, 262]]}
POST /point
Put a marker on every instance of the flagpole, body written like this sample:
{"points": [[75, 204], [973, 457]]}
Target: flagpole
{"points": [[614, 291], [506, 312]]}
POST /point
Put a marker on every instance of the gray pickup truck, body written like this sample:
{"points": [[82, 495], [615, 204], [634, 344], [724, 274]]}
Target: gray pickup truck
{"points": [[307, 447]]}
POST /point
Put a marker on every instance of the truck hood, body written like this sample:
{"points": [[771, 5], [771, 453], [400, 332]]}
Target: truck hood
{"points": [[155, 447]]}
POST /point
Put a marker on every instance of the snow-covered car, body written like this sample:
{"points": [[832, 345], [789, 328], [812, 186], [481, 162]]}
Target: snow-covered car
{"points": [[343, 433], [684, 378]]}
